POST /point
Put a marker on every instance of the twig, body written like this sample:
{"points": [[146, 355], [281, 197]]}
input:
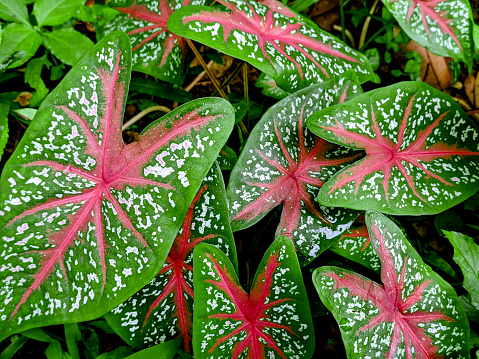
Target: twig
{"points": [[348, 34], [210, 75], [364, 32], [142, 114], [231, 77]]}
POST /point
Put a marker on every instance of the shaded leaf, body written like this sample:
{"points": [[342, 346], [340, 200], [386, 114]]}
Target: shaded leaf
{"points": [[273, 321], [33, 77], [414, 314], [165, 350], [227, 158], [270, 88], [162, 309], [422, 151], [67, 44], [4, 109], [160, 89], [283, 163], [272, 38], [86, 221]]}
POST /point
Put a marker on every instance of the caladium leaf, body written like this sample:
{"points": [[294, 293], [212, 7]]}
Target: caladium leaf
{"points": [[162, 309], [414, 314], [272, 38], [272, 321], [355, 245], [85, 220], [270, 88], [466, 255], [156, 51], [422, 151], [283, 163], [444, 27]]}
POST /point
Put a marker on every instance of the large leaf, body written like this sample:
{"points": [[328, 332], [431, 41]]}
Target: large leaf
{"points": [[162, 309], [156, 51], [272, 321], [422, 151], [14, 10], [414, 314], [466, 254], [86, 221], [55, 12], [444, 27], [283, 163], [355, 245], [18, 37], [274, 39], [67, 44]]}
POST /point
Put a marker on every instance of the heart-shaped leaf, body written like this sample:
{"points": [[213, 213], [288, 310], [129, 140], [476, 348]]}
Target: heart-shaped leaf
{"points": [[86, 221], [414, 314], [162, 309], [274, 39], [444, 27], [156, 51], [283, 163], [355, 245], [422, 151], [273, 321]]}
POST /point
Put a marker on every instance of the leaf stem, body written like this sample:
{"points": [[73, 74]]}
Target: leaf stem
{"points": [[142, 114], [348, 34], [231, 77], [364, 32], [341, 12], [210, 75]]}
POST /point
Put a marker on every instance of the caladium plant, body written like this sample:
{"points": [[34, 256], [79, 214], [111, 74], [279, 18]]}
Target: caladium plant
{"points": [[422, 154], [156, 51], [272, 321], [414, 314], [162, 309], [86, 220], [444, 27], [283, 163], [274, 39], [355, 244]]}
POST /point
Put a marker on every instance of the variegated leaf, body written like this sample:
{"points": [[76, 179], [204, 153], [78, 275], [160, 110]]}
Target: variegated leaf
{"points": [[272, 321], [156, 51], [283, 163], [86, 220], [163, 309], [422, 151], [414, 314], [444, 27], [270, 88], [274, 39]]}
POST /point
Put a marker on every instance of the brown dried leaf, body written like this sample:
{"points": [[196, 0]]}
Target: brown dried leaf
{"points": [[24, 98], [469, 84]]}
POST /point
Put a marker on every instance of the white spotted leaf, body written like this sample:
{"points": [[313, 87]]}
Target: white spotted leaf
{"points": [[283, 163], [272, 38], [444, 27], [85, 220], [163, 308], [414, 314], [272, 321], [422, 151], [155, 50]]}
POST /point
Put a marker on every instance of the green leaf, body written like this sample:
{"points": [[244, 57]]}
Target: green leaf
{"points": [[54, 350], [26, 114], [15, 346], [92, 212], [159, 89], [33, 77], [227, 158], [15, 11], [414, 314], [38, 334], [272, 38], [422, 151], [118, 353], [72, 336], [270, 88], [55, 12], [166, 350], [272, 321], [466, 254], [444, 27], [4, 109], [18, 37], [282, 163], [67, 44]]}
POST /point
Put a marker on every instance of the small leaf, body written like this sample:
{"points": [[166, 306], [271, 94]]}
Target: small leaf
{"points": [[466, 254], [270, 88], [283, 163], [272, 321], [422, 151], [272, 38], [14, 10], [55, 12], [4, 109], [33, 77], [54, 350], [227, 158], [67, 44], [444, 27], [414, 314], [165, 350], [160, 89], [17, 37], [162, 309], [86, 220]]}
